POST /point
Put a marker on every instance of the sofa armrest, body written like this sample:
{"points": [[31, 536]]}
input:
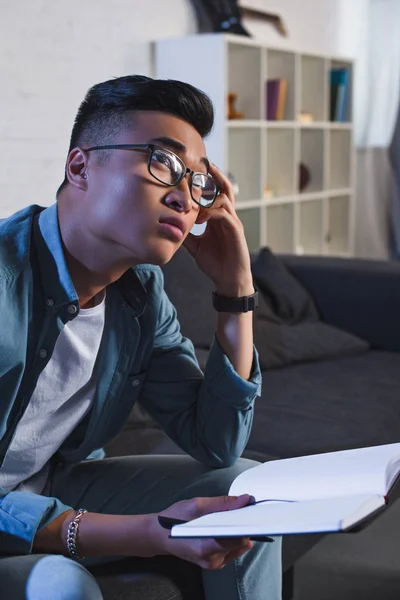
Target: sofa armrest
{"points": [[357, 295]]}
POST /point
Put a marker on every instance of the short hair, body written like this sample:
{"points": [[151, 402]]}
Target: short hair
{"points": [[108, 106]]}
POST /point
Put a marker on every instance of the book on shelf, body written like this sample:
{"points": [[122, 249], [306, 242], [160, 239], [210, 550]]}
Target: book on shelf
{"points": [[331, 492], [276, 99], [339, 82]]}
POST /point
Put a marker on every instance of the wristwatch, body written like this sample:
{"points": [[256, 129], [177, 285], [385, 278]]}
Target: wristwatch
{"points": [[235, 305]]}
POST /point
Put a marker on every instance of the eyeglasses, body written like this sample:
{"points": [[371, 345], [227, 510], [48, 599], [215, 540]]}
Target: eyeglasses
{"points": [[169, 169]]}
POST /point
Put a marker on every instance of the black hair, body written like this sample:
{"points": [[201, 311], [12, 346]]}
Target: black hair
{"points": [[108, 106]]}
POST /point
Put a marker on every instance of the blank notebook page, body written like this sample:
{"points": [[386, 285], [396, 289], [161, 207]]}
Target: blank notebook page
{"points": [[350, 472]]}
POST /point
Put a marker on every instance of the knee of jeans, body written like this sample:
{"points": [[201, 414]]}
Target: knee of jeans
{"points": [[60, 578], [223, 478]]}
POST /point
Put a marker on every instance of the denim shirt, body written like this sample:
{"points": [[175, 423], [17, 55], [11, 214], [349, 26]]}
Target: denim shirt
{"points": [[142, 358]]}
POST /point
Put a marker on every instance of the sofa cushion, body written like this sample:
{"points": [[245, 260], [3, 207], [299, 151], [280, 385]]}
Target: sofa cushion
{"points": [[331, 405], [287, 328], [279, 344]]}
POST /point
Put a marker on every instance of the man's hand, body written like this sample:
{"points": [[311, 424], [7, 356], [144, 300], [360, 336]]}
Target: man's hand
{"points": [[207, 553], [222, 252]]}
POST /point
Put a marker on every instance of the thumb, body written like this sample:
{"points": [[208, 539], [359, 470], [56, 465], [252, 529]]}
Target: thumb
{"points": [[222, 503]]}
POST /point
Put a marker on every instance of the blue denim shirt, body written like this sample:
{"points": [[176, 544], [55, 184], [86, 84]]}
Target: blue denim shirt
{"points": [[143, 358]]}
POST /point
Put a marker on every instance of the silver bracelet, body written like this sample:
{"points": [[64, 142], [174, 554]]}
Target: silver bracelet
{"points": [[72, 535]]}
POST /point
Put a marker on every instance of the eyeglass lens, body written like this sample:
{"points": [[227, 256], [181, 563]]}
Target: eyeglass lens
{"points": [[167, 168]]}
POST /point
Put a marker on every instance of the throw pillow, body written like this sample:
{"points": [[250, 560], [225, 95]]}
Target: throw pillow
{"points": [[287, 328]]}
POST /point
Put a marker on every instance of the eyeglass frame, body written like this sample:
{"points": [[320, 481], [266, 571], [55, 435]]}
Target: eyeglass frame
{"points": [[153, 148]]}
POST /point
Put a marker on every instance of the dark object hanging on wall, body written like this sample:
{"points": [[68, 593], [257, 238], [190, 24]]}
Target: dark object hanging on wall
{"points": [[226, 16], [219, 15]]}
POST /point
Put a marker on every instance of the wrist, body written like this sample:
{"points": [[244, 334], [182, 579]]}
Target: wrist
{"points": [[156, 535], [235, 289]]}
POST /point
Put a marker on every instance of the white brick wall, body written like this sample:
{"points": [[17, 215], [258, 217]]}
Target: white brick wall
{"points": [[52, 51]]}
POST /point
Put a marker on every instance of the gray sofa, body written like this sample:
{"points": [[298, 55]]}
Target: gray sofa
{"points": [[337, 403]]}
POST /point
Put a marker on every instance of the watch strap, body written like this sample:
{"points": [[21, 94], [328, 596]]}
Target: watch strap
{"points": [[235, 305]]}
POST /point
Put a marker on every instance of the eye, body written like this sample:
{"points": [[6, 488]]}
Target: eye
{"points": [[164, 160]]}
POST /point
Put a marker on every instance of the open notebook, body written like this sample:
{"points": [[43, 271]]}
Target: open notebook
{"points": [[318, 493]]}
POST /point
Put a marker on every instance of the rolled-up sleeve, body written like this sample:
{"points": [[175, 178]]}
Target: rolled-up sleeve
{"points": [[209, 415], [21, 515], [223, 380]]}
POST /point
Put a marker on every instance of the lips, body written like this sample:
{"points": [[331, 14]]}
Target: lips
{"points": [[175, 222]]}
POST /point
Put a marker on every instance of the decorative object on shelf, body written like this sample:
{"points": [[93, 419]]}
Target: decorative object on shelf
{"points": [[232, 112], [304, 177], [268, 193], [235, 185], [226, 16], [305, 118], [276, 99]]}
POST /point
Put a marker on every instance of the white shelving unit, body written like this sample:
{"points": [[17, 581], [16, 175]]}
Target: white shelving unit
{"points": [[265, 156]]}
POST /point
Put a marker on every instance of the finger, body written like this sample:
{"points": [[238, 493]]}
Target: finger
{"points": [[217, 555], [220, 213], [233, 543], [221, 503], [238, 552], [222, 201], [223, 182]]}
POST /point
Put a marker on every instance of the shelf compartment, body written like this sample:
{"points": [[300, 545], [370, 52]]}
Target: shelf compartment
{"points": [[244, 70], [280, 228], [337, 237], [339, 159], [244, 162], [280, 172], [313, 90], [310, 227], [281, 65], [312, 157], [251, 219]]}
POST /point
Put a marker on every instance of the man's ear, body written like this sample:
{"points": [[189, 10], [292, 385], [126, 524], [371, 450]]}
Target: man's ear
{"points": [[76, 168]]}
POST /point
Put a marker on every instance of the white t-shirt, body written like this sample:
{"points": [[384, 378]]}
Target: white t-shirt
{"points": [[62, 397]]}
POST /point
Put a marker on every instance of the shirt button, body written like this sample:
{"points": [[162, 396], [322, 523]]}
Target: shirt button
{"points": [[50, 302], [72, 309], [42, 353], [135, 382]]}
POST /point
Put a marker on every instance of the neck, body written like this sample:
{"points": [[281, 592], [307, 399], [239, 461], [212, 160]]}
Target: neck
{"points": [[89, 285], [91, 262]]}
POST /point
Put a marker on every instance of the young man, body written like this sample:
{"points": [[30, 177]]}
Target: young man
{"points": [[87, 331]]}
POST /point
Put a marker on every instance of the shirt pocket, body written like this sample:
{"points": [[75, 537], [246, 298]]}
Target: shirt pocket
{"points": [[119, 416], [132, 414], [138, 417]]}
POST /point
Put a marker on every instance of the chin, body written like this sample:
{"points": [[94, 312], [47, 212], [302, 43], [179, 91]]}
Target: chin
{"points": [[161, 254]]}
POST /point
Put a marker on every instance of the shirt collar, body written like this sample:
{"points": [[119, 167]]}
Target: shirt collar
{"points": [[57, 284]]}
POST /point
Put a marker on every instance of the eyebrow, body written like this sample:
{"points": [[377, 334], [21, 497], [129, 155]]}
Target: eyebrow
{"points": [[179, 147]]}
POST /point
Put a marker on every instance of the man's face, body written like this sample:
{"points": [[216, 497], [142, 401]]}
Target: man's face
{"points": [[126, 207]]}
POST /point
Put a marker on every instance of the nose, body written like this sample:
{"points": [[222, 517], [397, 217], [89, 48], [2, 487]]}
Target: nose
{"points": [[179, 197]]}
